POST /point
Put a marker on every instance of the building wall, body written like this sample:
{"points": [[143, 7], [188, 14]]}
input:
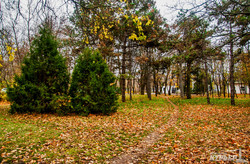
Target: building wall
{"points": [[240, 89]]}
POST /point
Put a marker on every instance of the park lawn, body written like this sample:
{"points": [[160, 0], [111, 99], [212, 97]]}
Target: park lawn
{"points": [[34, 138], [203, 130], [219, 101]]}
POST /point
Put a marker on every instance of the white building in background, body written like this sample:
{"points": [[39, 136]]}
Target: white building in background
{"points": [[240, 88]]}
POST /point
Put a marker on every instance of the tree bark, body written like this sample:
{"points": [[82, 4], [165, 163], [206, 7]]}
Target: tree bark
{"points": [[156, 89], [160, 92], [223, 80], [220, 85], [142, 88], [148, 85], [211, 89], [130, 74], [143, 80], [188, 80], [206, 83], [181, 85], [169, 90], [249, 89], [134, 85], [123, 85], [154, 82], [165, 84], [232, 68], [217, 88]]}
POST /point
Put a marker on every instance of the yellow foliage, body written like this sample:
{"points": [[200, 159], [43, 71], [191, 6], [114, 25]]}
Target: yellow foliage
{"points": [[8, 48], [133, 36], [10, 52], [11, 58], [110, 26], [148, 23], [144, 37], [86, 39]]}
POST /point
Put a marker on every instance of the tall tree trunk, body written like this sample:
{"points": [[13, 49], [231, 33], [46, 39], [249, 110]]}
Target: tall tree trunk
{"points": [[232, 68], [148, 85], [127, 87], [188, 80], [224, 90], [134, 85], [217, 88], [211, 89], [220, 85], [245, 92], [156, 89], [160, 88], [206, 83], [223, 79], [156, 84], [170, 85], [166, 82], [143, 89], [143, 81], [130, 89], [249, 89], [181, 85], [130, 74], [123, 82], [165, 88]]}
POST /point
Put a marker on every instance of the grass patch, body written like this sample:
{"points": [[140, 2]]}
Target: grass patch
{"points": [[214, 101]]}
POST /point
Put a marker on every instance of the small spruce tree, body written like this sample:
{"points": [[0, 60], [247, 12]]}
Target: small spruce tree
{"points": [[92, 88], [43, 83]]}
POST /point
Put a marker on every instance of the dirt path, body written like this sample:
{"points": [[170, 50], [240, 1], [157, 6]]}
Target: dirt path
{"points": [[135, 154]]}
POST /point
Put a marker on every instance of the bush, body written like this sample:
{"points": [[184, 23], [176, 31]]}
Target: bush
{"points": [[44, 78], [92, 88]]}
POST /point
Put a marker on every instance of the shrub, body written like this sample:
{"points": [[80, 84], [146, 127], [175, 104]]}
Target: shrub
{"points": [[44, 78], [92, 88]]}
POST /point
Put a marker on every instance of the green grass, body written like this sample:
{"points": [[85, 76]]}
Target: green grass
{"points": [[142, 102], [21, 137], [214, 101]]}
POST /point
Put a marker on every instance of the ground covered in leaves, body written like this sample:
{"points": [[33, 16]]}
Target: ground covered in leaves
{"points": [[50, 138], [203, 132], [200, 130]]}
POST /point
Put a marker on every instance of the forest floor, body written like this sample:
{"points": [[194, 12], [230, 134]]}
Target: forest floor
{"points": [[163, 130]]}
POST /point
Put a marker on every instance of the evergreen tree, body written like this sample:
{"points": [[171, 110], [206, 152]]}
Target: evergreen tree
{"points": [[92, 87], [44, 79]]}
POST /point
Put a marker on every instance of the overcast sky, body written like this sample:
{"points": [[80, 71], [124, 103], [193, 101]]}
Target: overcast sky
{"points": [[170, 14], [161, 5]]}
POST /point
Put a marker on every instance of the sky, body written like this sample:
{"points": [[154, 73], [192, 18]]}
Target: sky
{"points": [[169, 14], [161, 5]]}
